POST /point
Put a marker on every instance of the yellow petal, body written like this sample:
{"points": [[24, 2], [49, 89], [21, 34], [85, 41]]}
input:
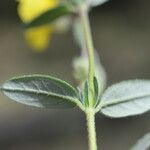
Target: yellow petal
{"points": [[38, 38], [30, 9]]}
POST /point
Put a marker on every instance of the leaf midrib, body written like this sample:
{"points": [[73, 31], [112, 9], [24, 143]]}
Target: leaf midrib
{"points": [[119, 101], [31, 91]]}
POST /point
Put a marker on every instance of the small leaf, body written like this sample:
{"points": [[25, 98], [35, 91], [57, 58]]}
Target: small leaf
{"points": [[96, 88], [127, 98], [86, 93], [143, 143], [50, 15], [41, 91]]}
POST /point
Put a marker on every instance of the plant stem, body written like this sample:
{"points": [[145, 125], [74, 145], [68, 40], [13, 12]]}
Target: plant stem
{"points": [[90, 110], [90, 48], [90, 116]]}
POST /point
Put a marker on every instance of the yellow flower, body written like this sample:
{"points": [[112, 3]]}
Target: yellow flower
{"points": [[37, 37]]}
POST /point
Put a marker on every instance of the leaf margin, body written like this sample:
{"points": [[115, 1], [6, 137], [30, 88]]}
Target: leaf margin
{"points": [[105, 104]]}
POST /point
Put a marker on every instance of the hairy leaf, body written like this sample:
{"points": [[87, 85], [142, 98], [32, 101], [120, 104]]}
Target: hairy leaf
{"points": [[41, 91], [127, 98]]}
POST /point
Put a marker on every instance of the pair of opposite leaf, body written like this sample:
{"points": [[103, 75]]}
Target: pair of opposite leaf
{"points": [[124, 99], [38, 38]]}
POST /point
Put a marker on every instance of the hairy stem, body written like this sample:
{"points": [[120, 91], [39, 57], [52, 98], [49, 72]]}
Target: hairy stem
{"points": [[90, 116], [90, 111], [90, 49]]}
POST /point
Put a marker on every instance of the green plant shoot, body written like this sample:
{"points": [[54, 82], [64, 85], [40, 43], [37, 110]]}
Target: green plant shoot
{"points": [[124, 99]]}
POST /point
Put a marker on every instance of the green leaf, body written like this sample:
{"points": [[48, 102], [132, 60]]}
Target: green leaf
{"points": [[143, 143], [127, 98], [50, 15], [96, 2], [96, 88], [41, 91], [86, 93]]}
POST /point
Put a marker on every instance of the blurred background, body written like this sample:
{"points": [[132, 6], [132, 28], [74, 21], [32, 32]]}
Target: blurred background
{"points": [[121, 31]]}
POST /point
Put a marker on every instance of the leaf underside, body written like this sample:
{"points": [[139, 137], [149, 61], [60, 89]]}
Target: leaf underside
{"points": [[127, 98], [40, 91]]}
